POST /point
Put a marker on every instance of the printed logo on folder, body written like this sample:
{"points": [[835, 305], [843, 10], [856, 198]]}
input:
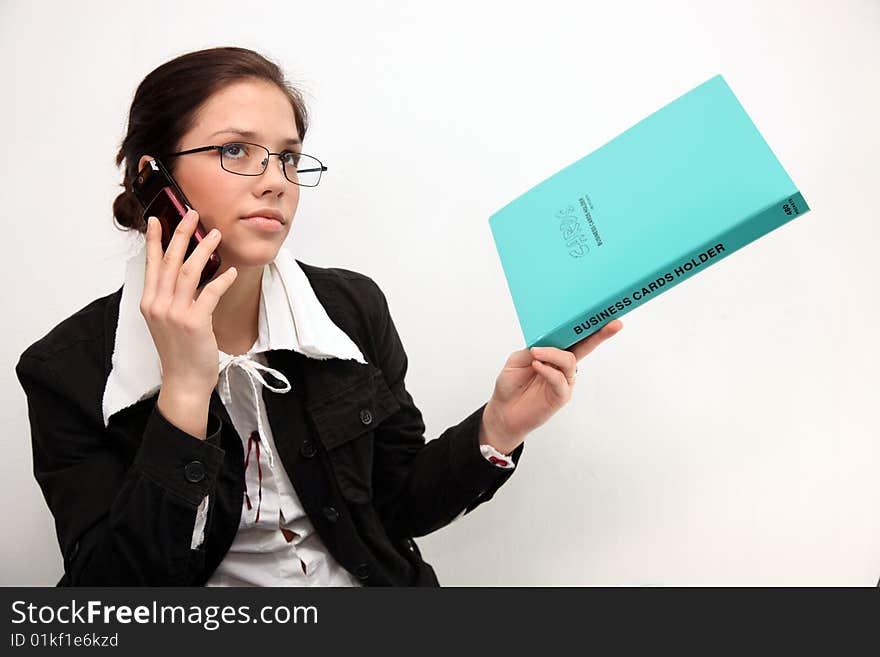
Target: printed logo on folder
{"points": [[677, 192]]}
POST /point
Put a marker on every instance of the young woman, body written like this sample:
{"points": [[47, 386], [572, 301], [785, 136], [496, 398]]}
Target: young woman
{"points": [[165, 453]]}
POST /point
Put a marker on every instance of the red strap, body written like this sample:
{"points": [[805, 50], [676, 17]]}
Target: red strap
{"points": [[254, 440]]}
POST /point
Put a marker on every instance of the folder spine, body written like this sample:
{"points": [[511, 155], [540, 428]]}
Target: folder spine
{"points": [[678, 270]]}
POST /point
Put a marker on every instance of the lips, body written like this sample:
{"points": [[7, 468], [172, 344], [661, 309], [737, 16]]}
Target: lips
{"points": [[268, 213], [264, 224]]}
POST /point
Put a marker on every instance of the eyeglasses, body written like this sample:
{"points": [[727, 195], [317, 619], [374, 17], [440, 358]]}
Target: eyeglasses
{"points": [[246, 159]]}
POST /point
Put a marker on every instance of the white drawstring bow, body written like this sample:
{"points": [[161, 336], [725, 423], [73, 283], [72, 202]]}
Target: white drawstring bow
{"points": [[251, 368]]}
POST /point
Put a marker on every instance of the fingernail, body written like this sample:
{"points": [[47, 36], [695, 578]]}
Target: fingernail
{"points": [[214, 233]]}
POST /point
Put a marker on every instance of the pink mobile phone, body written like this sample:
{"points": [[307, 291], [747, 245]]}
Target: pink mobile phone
{"points": [[160, 196]]}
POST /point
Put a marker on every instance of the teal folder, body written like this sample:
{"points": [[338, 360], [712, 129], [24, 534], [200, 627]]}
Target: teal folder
{"points": [[672, 195]]}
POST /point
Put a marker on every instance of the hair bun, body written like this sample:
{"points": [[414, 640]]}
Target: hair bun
{"points": [[128, 211]]}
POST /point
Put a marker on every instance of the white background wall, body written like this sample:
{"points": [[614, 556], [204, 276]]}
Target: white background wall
{"points": [[726, 436]]}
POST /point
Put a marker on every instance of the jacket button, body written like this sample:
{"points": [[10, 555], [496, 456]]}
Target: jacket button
{"points": [[366, 416], [194, 471], [331, 513], [308, 449], [412, 545], [362, 571]]}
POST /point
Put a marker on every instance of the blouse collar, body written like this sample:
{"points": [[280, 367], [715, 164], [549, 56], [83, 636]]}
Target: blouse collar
{"points": [[290, 317]]}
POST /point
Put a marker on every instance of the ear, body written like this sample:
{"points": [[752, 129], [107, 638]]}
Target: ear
{"points": [[144, 159]]}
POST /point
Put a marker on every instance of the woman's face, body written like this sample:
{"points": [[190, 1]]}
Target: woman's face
{"points": [[223, 199]]}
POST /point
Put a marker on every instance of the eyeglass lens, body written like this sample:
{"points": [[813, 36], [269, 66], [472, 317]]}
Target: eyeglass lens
{"points": [[251, 160]]}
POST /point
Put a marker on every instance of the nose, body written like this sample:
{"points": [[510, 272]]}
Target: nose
{"points": [[273, 175]]}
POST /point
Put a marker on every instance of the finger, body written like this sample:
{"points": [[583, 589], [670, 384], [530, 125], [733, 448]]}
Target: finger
{"points": [[211, 293], [191, 271], [173, 257], [564, 360], [561, 386], [588, 344], [520, 358], [154, 260]]}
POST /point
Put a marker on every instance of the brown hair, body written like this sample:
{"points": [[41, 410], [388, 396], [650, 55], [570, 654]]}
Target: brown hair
{"points": [[165, 105]]}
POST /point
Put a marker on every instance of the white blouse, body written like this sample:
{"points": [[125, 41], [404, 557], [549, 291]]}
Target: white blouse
{"points": [[276, 544]]}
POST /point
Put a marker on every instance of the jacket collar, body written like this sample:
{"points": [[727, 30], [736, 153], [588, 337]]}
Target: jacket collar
{"points": [[291, 317]]}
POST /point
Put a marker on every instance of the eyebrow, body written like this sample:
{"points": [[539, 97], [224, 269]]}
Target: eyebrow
{"points": [[249, 134]]}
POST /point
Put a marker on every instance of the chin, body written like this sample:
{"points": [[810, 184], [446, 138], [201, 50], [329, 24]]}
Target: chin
{"points": [[251, 255]]}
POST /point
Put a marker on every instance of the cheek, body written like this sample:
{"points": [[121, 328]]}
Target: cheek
{"points": [[215, 200]]}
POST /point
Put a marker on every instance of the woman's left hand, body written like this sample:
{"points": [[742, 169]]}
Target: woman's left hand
{"points": [[534, 384]]}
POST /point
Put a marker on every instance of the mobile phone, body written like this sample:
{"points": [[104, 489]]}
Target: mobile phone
{"points": [[161, 197]]}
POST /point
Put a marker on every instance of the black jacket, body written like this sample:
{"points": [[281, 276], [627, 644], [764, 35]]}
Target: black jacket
{"points": [[124, 497]]}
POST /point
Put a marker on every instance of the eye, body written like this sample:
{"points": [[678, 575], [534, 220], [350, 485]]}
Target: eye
{"points": [[291, 158], [235, 151]]}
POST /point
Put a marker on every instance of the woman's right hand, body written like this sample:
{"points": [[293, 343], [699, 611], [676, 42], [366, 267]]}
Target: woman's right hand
{"points": [[178, 315]]}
